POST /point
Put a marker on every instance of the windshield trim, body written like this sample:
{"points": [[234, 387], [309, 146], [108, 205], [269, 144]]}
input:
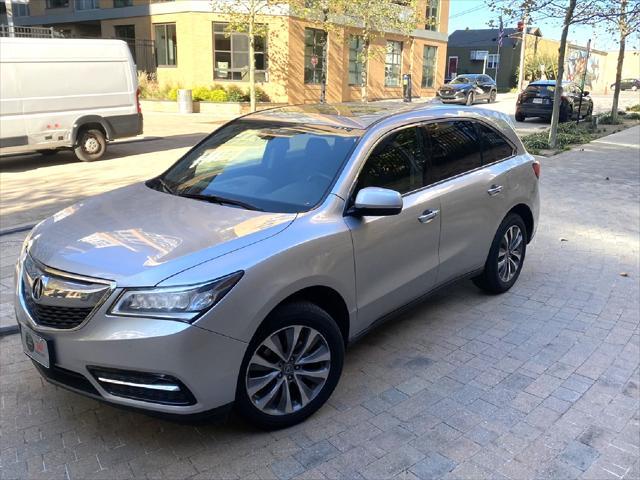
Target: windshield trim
{"points": [[246, 117]]}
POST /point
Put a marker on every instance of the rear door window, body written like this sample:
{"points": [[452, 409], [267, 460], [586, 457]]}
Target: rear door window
{"points": [[453, 149], [494, 146]]}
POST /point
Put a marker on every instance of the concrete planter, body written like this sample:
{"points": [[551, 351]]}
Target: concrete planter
{"points": [[211, 108]]}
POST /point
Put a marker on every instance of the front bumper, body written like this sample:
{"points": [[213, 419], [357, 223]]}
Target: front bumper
{"points": [[458, 97], [206, 363]]}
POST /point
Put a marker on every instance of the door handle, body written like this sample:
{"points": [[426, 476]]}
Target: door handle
{"points": [[494, 190], [428, 216]]}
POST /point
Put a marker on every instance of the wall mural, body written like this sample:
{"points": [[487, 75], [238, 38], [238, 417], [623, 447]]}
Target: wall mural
{"points": [[575, 67]]}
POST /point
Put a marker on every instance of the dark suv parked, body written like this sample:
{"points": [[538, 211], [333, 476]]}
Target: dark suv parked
{"points": [[537, 101], [628, 84]]}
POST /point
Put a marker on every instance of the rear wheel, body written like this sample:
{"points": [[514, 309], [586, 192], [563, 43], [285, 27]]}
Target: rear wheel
{"points": [[506, 256], [470, 99], [566, 113], [520, 117], [91, 145], [291, 366]]}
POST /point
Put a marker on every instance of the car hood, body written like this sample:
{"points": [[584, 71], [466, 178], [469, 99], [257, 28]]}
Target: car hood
{"points": [[138, 236], [456, 86]]}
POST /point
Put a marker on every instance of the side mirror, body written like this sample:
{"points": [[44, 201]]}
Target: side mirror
{"points": [[585, 94], [377, 202]]}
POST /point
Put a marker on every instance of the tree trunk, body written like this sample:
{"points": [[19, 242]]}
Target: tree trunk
{"points": [[557, 94], [364, 90], [252, 64], [623, 38]]}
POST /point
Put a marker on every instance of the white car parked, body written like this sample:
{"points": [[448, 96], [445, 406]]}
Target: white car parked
{"points": [[66, 93]]}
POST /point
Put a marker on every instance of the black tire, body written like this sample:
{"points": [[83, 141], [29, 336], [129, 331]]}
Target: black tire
{"points": [[565, 113], [492, 96], [520, 117], [470, 99], [91, 145], [296, 313], [589, 112], [489, 280], [48, 153]]}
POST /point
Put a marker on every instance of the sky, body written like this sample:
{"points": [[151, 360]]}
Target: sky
{"points": [[475, 14]]}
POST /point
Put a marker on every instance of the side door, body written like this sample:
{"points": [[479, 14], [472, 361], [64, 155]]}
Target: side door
{"points": [[13, 133], [396, 257], [473, 200]]}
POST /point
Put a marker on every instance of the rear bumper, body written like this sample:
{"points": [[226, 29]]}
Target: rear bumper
{"points": [[535, 110], [125, 125]]}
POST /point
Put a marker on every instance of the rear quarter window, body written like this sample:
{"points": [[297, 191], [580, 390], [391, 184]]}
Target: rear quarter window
{"points": [[494, 146]]}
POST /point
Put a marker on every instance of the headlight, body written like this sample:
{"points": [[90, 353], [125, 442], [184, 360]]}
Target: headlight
{"points": [[174, 303], [25, 245]]}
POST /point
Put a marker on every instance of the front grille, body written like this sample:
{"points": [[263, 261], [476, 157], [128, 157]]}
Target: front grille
{"points": [[63, 318], [140, 386], [60, 300]]}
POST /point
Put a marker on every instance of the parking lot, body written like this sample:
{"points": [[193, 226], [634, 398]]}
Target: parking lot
{"points": [[541, 382]]}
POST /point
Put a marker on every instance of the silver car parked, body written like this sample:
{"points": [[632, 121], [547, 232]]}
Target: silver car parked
{"points": [[239, 275]]}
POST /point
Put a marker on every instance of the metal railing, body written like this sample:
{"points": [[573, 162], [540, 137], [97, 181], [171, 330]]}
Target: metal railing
{"points": [[30, 32]]}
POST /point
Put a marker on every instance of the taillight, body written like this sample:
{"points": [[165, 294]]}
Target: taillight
{"points": [[536, 168], [138, 100]]}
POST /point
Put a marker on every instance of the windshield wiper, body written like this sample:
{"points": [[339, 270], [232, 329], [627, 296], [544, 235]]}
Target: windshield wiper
{"points": [[220, 200]]}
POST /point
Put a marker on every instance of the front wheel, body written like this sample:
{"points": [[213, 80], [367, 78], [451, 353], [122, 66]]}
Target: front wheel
{"points": [[291, 366], [506, 256], [91, 145], [492, 96], [470, 98]]}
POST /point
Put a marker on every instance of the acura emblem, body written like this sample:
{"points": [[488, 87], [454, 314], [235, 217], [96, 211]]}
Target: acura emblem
{"points": [[37, 288]]}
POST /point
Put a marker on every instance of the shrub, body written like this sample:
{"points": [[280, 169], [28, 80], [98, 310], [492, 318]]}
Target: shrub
{"points": [[605, 119], [235, 94], [218, 95], [200, 93], [568, 134], [634, 108], [633, 116], [261, 95], [173, 94]]}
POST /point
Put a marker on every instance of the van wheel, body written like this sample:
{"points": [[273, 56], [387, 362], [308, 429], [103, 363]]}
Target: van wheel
{"points": [[291, 366], [506, 256], [91, 146]]}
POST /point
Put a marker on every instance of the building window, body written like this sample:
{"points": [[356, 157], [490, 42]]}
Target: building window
{"points": [[478, 55], [17, 9], [493, 60], [393, 64], [166, 44], [356, 62], [429, 58], [231, 55], [433, 7], [314, 43], [87, 4], [57, 3], [122, 3]]}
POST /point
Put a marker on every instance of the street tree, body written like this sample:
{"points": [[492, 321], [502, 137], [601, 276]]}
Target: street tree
{"points": [[622, 18], [245, 16], [571, 12], [367, 20]]}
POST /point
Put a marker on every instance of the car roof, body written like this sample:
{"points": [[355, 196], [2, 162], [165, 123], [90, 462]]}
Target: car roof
{"points": [[362, 116]]}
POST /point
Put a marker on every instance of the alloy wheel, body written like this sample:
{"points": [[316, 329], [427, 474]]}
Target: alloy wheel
{"points": [[91, 145], [288, 370], [510, 253]]}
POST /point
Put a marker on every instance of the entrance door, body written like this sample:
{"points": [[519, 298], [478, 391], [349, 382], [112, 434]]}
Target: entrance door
{"points": [[453, 67]]}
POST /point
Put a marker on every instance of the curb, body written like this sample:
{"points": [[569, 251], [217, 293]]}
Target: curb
{"points": [[17, 229], [10, 330]]}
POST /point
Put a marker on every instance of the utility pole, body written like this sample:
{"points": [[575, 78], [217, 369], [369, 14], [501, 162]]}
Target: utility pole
{"points": [[9, 9], [500, 40], [523, 42]]}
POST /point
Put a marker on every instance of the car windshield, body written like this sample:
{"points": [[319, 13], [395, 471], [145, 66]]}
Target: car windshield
{"points": [[262, 165], [461, 79]]}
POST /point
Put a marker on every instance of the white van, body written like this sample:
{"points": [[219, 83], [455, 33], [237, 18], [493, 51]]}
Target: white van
{"points": [[66, 93]]}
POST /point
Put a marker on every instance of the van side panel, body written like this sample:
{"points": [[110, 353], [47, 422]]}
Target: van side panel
{"points": [[13, 134]]}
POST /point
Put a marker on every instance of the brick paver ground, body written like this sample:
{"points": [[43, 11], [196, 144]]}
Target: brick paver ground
{"points": [[541, 382]]}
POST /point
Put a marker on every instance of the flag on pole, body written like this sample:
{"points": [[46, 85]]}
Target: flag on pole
{"points": [[500, 33]]}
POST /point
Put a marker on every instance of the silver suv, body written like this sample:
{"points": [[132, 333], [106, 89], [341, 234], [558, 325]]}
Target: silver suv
{"points": [[239, 275]]}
